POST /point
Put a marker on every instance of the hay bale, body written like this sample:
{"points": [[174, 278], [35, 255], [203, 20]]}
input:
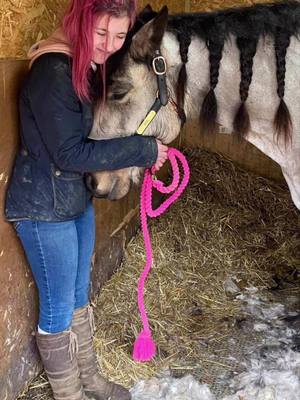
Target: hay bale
{"points": [[212, 5], [23, 22]]}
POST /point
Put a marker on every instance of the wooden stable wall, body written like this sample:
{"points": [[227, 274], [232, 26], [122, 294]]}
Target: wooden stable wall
{"points": [[178, 6], [244, 154], [116, 223]]}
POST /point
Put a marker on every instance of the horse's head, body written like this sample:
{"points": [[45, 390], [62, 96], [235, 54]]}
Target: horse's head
{"points": [[131, 92], [133, 88]]}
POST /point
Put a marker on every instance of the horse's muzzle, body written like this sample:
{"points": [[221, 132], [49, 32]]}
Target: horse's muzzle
{"points": [[91, 185]]}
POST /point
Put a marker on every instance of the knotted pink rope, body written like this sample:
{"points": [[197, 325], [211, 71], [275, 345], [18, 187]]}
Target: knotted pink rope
{"points": [[144, 346]]}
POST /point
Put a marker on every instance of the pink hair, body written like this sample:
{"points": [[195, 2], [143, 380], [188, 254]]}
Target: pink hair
{"points": [[78, 24]]}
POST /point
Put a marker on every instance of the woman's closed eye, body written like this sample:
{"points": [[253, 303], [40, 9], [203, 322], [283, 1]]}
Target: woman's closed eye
{"points": [[104, 34]]}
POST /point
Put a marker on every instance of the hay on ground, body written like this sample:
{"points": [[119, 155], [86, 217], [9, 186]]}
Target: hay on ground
{"points": [[230, 230]]}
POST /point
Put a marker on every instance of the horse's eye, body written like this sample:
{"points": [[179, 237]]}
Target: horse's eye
{"points": [[118, 95]]}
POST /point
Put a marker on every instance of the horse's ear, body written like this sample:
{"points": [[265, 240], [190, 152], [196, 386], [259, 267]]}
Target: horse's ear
{"points": [[147, 9], [146, 15], [149, 37]]}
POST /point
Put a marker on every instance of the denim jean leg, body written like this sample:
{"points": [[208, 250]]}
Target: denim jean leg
{"points": [[85, 226], [52, 251]]}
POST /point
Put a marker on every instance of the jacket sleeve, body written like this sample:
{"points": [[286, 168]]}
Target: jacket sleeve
{"points": [[57, 112]]}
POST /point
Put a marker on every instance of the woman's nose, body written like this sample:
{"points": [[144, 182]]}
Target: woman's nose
{"points": [[110, 46]]}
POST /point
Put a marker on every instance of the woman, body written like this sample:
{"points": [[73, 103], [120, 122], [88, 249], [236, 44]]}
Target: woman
{"points": [[47, 198]]}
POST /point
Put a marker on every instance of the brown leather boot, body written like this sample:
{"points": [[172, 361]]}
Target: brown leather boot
{"points": [[95, 386], [58, 356]]}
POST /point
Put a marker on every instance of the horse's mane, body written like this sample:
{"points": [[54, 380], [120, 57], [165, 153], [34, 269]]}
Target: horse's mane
{"points": [[280, 20]]}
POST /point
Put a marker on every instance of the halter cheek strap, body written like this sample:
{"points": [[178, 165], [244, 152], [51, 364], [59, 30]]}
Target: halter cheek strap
{"points": [[159, 68]]}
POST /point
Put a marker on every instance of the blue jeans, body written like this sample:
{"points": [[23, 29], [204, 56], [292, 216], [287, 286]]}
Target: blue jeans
{"points": [[59, 254]]}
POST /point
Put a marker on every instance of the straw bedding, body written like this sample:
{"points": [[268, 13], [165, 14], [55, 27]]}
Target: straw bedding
{"points": [[230, 230]]}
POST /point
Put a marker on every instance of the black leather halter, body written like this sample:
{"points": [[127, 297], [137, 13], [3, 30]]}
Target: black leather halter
{"points": [[159, 67]]}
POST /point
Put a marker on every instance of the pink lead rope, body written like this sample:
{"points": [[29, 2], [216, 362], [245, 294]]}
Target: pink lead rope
{"points": [[144, 346]]}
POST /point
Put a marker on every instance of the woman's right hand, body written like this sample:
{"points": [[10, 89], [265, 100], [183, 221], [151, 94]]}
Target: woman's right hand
{"points": [[162, 155]]}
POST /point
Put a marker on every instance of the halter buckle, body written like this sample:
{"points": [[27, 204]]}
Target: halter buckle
{"points": [[159, 65]]}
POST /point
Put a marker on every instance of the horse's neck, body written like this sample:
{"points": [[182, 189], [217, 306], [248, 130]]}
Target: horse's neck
{"points": [[262, 101], [197, 69]]}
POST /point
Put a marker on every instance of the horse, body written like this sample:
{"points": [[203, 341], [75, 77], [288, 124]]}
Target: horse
{"points": [[236, 70]]}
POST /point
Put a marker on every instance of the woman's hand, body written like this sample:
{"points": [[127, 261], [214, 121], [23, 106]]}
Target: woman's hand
{"points": [[162, 155]]}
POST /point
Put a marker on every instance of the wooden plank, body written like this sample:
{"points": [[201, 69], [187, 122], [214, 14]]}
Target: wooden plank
{"points": [[19, 362], [244, 154]]}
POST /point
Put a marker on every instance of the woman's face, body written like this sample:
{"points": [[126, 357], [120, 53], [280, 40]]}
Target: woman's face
{"points": [[109, 36]]}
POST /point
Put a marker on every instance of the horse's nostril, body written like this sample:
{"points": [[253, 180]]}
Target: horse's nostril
{"points": [[88, 181], [92, 185]]}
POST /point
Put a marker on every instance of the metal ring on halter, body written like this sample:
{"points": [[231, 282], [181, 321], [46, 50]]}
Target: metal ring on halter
{"points": [[168, 94]]}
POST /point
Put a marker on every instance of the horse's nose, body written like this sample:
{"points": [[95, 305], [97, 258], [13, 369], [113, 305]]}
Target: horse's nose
{"points": [[114, 192], [92, 187]]}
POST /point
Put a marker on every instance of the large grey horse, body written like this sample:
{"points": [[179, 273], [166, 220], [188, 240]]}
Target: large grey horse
{"points": [[239, 69]]}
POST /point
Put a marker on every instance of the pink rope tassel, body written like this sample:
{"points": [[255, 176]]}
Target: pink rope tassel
{"points": [[144, 346]]}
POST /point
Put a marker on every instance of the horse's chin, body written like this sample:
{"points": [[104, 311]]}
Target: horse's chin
{"points": [[168, 138], [119, 191], [163, 138]]}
